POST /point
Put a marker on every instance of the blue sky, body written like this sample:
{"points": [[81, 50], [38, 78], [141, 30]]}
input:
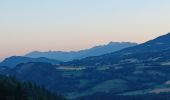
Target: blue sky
{"points": [[28, 25]]}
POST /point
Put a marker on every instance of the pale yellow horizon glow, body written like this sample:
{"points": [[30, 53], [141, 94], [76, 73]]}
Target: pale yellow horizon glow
{"points": [[74, 43], [71, 25]]}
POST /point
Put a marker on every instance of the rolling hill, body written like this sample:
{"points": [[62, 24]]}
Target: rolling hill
{"points": [[15, 60]]}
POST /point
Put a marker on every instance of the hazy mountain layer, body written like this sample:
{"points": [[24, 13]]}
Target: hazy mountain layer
{"points": [[95, 51]]}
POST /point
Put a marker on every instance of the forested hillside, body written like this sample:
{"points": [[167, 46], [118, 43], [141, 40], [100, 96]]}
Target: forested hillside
{"points": [[11, 89]]}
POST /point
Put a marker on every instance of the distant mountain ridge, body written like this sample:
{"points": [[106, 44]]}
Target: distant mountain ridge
{"points": [[15, 60], [95, 51]]}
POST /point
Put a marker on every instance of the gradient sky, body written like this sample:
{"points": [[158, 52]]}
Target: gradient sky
{"points": [[28, 25]]}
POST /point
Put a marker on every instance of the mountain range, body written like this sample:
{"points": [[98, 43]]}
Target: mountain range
{"points": [[160, 44], [143, 69], [95, 51]]}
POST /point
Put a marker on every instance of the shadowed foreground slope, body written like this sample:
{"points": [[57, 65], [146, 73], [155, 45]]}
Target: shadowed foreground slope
{"points": [[11, 89]]}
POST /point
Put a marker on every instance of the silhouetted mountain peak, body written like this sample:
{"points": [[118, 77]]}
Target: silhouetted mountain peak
{"points": [[157, 44], [163, 39]]}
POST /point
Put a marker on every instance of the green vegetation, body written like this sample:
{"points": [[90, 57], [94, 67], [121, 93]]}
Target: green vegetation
{"points": [[11, 89]]}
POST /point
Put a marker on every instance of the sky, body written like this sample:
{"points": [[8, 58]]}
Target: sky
{"points": [[43, 25]]}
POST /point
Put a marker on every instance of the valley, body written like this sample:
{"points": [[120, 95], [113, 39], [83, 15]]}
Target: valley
{"points": [[139, 70]]}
